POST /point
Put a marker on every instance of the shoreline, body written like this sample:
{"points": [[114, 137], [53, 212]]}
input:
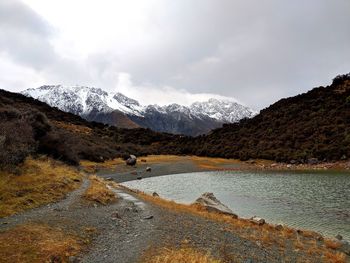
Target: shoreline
{"points": [[162, 165]]}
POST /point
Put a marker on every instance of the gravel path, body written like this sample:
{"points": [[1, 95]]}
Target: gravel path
{"points": [[123, 173]]}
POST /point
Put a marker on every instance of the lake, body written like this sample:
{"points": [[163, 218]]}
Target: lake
{"points": [[318, 201]]}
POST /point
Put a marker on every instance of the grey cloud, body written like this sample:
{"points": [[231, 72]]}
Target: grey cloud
{"points": [[25, 35]]}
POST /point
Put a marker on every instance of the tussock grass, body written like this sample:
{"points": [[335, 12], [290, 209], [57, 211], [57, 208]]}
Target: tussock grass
{"points": [[337, 257], [180, 255], [214, 163], [41, 181], [98, 191], [91, 167], [37, 243], [332, 244]]}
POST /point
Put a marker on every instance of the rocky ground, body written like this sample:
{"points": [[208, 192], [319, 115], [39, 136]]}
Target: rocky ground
{"points": [[124, 230]]}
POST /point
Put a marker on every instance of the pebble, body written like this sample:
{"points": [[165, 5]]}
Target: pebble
{"points": [[278, 227], [148, 217], [339, 237]]}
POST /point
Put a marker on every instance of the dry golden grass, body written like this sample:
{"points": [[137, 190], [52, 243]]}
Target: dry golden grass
{"points": [[98, 191], [37, 243], [332, 244], [72, 127], [92, 167], [41, 181], [163, 158], [337, 257], [180, 255], [213, 163]]}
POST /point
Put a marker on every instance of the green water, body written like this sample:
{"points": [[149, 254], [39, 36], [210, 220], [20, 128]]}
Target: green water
{"points": [[315, 201]]}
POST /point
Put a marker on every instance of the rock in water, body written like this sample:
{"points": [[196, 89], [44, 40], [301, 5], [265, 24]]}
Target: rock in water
{"points": [[148, 169], [212, 204]]}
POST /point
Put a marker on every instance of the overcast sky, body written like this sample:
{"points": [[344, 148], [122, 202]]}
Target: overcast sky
{"points": [[162, 51]]}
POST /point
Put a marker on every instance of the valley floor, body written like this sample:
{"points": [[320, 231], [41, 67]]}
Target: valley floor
{"points": [[103, 222]]}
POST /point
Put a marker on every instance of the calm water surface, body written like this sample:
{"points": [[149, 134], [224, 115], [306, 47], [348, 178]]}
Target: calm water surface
{"points": [[316, 201]]}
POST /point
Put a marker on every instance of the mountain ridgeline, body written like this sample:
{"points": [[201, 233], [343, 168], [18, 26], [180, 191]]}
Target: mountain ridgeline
{"points": [[315, 124], [94, 104]]}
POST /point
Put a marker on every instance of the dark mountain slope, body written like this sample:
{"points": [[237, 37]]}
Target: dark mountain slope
{"points": [[311, 125]]}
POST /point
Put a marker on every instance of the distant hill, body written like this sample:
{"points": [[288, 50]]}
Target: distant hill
{"points": [[315, 124]]}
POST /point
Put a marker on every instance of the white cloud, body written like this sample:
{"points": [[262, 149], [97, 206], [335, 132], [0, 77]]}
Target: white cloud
{"points": [[17, 77], [164, 95]]}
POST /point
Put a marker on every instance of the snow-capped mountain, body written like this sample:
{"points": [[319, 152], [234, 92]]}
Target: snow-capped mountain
{"points": [[95, 104], [82, 100]]}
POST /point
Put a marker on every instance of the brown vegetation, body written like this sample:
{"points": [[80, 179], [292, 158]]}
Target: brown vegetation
{"points": [[33, 243], [178, 255], [337, 257], [40, 181], [72, 127], [92, 167], [98, 191], [332, 244]]}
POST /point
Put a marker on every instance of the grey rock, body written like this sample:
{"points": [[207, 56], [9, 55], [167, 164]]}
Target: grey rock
{"points": [[257, 220], [279, 227], [148, 169], [312, 161], [339, 237], [73, 259], [148, 217], [132, 160], [212, 204]]}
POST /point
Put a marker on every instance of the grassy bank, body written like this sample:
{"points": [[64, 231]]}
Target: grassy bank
{"points": [[40, 181]]}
